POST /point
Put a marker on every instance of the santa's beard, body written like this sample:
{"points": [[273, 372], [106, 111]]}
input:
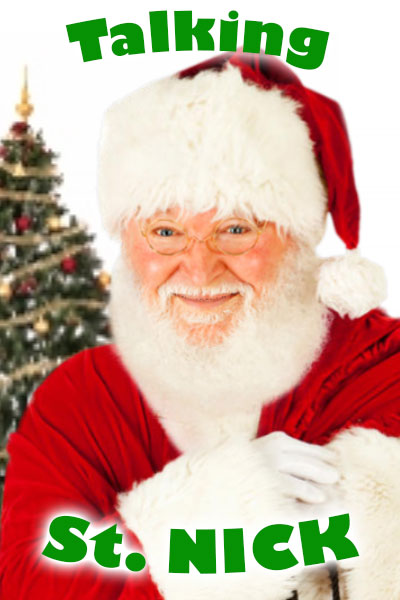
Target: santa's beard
{"points": [[204, 391]]}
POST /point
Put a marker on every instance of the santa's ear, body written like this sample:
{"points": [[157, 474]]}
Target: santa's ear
{"points": [[351, 285]]}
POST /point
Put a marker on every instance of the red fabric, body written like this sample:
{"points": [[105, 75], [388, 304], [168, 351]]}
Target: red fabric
{"points": [[355, 383], [327, 130], [88, 435]]}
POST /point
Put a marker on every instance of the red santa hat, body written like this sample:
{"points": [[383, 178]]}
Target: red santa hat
{"points": [[240, 133]]}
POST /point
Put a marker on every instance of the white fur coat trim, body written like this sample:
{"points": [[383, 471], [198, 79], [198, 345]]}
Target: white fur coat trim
{"points": [[210, 141]]}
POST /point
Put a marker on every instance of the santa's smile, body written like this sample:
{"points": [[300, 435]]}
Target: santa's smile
{"points": [[205, 302]]}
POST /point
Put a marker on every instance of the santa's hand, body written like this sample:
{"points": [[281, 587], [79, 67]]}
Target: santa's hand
{"points": [[307, 469]]}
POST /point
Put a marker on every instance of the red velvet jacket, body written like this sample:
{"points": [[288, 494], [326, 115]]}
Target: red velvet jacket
{"points": [[88, 434]]}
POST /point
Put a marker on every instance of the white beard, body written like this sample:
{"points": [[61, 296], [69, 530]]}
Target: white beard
{"points": [[203, 394]]}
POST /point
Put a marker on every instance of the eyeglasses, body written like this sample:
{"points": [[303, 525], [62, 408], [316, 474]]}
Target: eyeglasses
{"points": [[231, 236]]}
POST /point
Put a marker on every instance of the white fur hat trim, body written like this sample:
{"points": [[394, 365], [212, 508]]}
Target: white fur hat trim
{"points": [[211, 141]]}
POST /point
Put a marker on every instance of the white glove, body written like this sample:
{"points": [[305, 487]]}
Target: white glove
{"points": [[307, 469]]}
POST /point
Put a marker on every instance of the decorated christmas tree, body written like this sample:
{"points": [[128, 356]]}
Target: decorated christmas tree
{"points": [[53, 294]]}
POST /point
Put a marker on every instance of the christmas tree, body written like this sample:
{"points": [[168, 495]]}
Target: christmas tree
{"points": [[53, 295]]}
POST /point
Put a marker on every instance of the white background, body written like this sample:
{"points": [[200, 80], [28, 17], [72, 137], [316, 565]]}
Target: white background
{"points": [[360, 70]]}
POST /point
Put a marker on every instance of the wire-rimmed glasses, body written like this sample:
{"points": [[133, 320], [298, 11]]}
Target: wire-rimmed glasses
{"points": [[232, 236]]}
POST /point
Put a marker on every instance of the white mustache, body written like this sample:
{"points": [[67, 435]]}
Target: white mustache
{"points": [[167, 290]]}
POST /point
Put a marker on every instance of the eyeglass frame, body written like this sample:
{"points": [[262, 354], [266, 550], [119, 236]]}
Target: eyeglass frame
{"points": [[191, 238]]}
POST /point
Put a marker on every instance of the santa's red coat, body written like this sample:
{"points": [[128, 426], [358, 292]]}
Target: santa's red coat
{"points": [[89, 434]]}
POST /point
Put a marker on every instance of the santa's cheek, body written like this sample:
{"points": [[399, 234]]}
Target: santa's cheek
{"points": [[155, 271], [255, 269], [154, 268]]}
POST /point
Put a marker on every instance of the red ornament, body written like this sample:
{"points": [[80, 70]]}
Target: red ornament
{"points": [[68, 264], [3, 152], [27, 287], [23, 223], [19, 128]]}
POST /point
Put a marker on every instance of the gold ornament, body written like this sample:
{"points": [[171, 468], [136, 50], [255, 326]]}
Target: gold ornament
{"points": [[41, 326], [5, 290], [104, 280], [53, 223]]}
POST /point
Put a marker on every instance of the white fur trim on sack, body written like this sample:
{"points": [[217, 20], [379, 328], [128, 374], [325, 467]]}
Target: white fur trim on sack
{"points": [[369, 463], [351, 285], [210, 141], [228, 486]]}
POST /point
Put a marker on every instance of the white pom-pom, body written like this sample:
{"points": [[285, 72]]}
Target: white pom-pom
{"points": [[351, 285]]}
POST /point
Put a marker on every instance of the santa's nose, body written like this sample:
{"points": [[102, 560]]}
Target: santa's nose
{"points": [[200, 264]]}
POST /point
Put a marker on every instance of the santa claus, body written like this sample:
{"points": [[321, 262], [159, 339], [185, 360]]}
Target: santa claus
{"points": [[249, 382]]}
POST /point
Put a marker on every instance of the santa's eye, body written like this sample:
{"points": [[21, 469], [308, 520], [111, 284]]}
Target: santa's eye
{"points": [[235, 229], [166, 237], [165, 232]]}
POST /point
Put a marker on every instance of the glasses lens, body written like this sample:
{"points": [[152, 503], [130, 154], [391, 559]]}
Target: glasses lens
{"points": [[235, 236], [166, 237]]}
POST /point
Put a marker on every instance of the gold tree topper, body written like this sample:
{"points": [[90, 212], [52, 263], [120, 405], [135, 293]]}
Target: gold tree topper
{"points": [[24, 108]]}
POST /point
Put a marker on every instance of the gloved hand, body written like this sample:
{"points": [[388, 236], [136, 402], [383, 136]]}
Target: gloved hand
{"points": [[307, 469]]}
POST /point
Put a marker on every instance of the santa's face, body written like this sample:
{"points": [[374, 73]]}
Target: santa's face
{"points": [[199, 359], [202, 290]]}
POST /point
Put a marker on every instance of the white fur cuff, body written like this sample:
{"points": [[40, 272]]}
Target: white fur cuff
{"points": [[229, 486]]}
